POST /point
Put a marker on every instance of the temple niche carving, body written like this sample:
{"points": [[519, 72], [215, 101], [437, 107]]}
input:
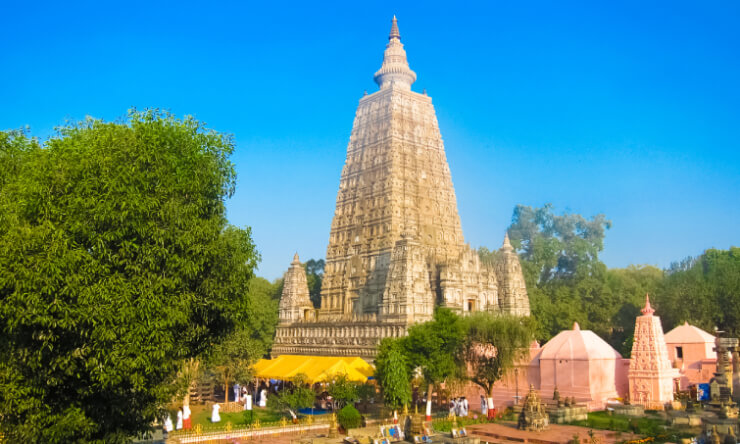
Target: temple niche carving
{"points": [[396, 248]]}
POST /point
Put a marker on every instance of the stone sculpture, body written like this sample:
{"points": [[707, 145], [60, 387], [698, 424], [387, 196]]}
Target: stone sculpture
{"points": [[533, 416]]}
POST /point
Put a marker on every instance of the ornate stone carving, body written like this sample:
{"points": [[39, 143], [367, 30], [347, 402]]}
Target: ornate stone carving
{"points": [[533, 415]]}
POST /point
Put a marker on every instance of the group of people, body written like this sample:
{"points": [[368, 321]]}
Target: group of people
{"points": [[459, 406], [183, 420], [243, 395]]}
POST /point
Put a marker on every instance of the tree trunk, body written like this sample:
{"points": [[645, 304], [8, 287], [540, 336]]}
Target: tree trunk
{"points": [[430, 390], [226, 391]]}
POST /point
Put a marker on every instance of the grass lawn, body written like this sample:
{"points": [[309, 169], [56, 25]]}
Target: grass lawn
{"points": [[648, 426], [201, 414]]}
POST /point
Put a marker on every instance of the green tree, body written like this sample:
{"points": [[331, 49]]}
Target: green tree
{"points": [[116, 266], [297, 395], [558, 246], [262, 313], [189, 373], [343, 391], [704, 291], [314, 276], [393, 372], [493, 344], [434, 348], [233, 358]]}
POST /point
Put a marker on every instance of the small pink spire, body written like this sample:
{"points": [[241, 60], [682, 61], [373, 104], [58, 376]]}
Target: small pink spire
{"points": [[647, 310], [576, 327]]}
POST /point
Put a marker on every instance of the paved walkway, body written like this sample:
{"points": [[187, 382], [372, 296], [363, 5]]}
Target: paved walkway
{"points": [[506, 432]]}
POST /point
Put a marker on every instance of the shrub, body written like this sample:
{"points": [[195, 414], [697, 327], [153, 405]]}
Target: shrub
{"points": [[349, 417]]}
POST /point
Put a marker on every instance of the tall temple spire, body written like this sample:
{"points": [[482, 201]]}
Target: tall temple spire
{"points": [[395, 71]]}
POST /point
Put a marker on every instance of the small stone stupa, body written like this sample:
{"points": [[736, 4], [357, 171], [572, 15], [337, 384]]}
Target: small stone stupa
{"points": [[650, 374], [533, 416]]}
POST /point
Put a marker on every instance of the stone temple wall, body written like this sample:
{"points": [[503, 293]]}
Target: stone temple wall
{"points": [[353, 338]]}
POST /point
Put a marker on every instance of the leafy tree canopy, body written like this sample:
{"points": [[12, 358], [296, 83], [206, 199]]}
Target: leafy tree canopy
{"points": [[704, 291], [343, 391], [558, 246], [433, 346], [116, 265], [393, 372], [493, 343], [296, 395]]}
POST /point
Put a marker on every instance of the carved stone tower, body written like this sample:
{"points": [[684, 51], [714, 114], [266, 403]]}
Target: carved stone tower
{"points": [[395, 180], [295, 303], [396, 248], [650, 374], [512, 289]]}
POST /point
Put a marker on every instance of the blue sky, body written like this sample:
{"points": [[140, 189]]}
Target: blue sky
{"points": [[630, 109]]}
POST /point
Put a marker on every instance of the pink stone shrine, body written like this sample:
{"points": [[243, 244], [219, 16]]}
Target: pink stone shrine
{"points": [[651, 375]]}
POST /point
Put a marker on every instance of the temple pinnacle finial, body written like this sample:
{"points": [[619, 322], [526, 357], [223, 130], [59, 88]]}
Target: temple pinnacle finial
{"points": [[394, 30], [576, 327], [395, 71], [647, 310], [296, 260]]}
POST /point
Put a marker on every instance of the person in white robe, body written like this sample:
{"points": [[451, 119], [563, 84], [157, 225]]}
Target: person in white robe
{"points": [[236, 392], [178, 425], [168, 424], [483, 405], [263, 398], [215, 417], [186, 421], [464, 407]]}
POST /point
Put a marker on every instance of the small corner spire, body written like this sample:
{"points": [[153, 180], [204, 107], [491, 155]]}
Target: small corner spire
{"points": [[647, 310], [507, 244], [394, 29], [576, 327]]}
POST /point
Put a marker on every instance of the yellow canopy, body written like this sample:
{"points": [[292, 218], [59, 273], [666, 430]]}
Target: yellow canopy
{"points": [[316, 368]]}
